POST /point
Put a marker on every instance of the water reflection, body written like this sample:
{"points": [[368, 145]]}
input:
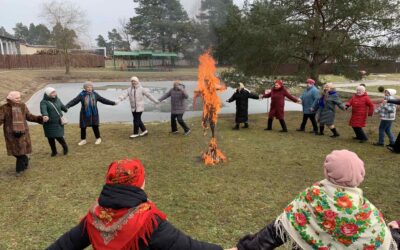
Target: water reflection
{"points": [[161, 112]]}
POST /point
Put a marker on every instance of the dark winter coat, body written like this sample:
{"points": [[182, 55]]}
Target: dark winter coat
{"points": [[361, 106], [17, 145], [394, 101], [326, 108], [165, 236], [242, 104], [93, 119], [178, 97], [268, 239], [52, 128], [278, 102], [396, 145]]}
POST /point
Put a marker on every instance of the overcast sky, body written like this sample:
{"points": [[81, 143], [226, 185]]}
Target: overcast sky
{"points": [[103, 15]]}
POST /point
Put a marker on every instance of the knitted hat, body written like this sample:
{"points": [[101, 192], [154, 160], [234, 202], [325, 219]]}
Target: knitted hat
{"points": [[87, 84], [49, 90], [279, 82], [392, 92], [13, 95], [126, 172], [361, 89], [310, 81], [344, 168], [135, 79]]}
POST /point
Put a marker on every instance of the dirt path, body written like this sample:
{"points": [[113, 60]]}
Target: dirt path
{"points": [[368, 83]]}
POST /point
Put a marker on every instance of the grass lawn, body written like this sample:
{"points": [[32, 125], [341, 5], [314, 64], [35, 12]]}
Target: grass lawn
{"points": [[375, 88], [218, 204]]}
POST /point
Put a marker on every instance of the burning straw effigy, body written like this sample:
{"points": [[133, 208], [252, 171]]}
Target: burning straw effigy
{"points": [[207, 87]]}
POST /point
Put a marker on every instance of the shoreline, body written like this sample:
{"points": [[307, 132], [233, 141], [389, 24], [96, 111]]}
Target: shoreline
{"points": [[29, 81]]}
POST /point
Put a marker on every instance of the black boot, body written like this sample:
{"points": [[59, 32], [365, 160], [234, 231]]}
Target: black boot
{"points": [[65, 148], [270, 120], [246, 125], [53, 151], [236, 127], [283, 125], [335, 133], [321, 130]]}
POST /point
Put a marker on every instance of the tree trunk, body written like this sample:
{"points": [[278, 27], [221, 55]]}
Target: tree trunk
{"points": [[314, 72], [67, 62]]}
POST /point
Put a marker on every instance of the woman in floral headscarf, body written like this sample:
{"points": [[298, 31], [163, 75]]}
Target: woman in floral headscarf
{"points": [[331, 214], [123, 218]]}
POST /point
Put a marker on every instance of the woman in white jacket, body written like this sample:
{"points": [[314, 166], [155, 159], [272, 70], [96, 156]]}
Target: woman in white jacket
{"points": [[136, 94]]}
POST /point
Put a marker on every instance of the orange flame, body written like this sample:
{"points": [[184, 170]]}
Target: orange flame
{"points": [[207, 87], [213, 155]]}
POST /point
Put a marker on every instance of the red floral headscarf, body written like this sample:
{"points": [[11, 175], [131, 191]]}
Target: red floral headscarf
{"points": [[126, 172], [123, 228]]}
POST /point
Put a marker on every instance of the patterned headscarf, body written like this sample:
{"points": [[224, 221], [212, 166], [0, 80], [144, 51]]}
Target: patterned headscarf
{"points": [[126, 172], [326, 216], [123, 228]]}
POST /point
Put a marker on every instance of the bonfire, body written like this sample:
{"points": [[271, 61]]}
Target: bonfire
{"points": [[207, 88]]}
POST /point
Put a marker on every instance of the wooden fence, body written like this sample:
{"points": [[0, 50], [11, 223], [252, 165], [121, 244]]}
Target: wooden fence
{"points": [[50, 61]]}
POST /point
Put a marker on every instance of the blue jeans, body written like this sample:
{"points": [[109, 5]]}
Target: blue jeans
{"points": [[385, 127]]}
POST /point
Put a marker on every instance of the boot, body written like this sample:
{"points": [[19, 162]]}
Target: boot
{"points": [[283, 125], [246, 125], [270, 120], [321, 130], [65, 148], [236, 127], [53, 151], [335, 133]]}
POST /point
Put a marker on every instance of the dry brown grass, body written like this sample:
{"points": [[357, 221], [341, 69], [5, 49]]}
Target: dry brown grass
{"points": [[265, 170]]}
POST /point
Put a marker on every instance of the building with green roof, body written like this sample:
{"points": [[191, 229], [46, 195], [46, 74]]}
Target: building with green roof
{"points": [[144, 60]]}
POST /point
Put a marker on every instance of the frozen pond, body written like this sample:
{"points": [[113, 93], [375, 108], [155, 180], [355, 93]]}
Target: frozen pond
{"points": [[160, 112]]}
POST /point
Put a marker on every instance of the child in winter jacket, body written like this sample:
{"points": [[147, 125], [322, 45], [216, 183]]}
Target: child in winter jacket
{"points": [[387, 113], [361, 107]]}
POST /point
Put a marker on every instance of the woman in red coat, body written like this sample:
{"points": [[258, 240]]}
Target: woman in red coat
{"points": [[277, 95], [361, 107]]}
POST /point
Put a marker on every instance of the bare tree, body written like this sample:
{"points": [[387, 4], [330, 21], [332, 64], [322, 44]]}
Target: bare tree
{"points": [[124, 31], [68, 22]]}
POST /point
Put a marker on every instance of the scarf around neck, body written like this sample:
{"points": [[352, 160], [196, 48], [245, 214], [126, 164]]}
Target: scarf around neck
{"points": [[18, 119], [121, 218], [323, 98], [330, 217], [89, 103]]}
